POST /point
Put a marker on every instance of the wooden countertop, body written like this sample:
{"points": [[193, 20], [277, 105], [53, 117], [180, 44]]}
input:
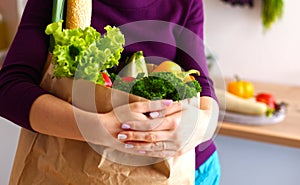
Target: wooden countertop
{"points": [[285, 133]]}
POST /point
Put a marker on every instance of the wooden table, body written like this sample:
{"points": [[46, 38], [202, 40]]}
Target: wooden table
{"points": [[285, 133]]}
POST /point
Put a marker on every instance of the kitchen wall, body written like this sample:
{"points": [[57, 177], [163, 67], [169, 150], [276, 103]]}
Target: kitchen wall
{"points": [[237, 37], [242, 47]]}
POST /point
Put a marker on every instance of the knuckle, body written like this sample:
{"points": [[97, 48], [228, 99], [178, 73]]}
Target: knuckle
{"points": [[136, 106], [141, 106], [130, 135], [155, 146], [151, 137]]}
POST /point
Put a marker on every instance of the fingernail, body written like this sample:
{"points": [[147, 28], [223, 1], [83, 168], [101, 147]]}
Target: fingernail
{"points": [[168, 102], [128, 146], [122, 136], [142, 151], [154, 114], [125, 126]]}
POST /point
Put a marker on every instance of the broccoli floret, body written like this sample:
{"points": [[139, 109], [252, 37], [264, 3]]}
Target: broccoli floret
{"points": [[160, 85]]}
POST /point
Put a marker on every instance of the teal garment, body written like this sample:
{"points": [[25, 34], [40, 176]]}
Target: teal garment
{"points": [[209, 172]]}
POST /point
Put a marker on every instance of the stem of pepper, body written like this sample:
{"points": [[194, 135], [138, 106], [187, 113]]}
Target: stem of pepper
{"points": [[237, 78]]}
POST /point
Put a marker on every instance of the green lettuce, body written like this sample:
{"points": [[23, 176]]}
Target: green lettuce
{"points": [[84, 53]]}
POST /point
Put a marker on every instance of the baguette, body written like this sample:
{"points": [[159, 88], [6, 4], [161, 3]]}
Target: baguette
{"points": [[79, 14]]}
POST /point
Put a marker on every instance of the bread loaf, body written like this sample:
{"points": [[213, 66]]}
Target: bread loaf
{"points": [[79, 13]]}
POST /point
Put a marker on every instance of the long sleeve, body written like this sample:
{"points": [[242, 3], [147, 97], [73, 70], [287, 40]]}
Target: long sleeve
{"points": [[190, 50], [21, 72], [191, 55]]}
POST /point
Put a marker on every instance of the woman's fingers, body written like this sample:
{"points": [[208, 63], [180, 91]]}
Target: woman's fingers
{"points": [[160, 149], [144, 136], [145, 115], [150, 106], [155, 109], [151, 141], [154, 147], [157, 124], [140, 111], [171, 134]]}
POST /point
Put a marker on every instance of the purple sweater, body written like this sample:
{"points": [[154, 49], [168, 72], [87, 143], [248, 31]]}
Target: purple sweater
{"points": [[169, 38]]}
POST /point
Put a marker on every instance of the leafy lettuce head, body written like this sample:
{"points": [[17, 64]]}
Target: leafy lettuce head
{"points": [[84, 52]]}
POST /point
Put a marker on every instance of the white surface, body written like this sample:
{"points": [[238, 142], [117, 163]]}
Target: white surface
{"points": [[9, 134], [251, 119]]}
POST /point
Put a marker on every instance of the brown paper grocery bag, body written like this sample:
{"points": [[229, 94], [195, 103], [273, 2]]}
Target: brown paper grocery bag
{"points": [[47, 160]]}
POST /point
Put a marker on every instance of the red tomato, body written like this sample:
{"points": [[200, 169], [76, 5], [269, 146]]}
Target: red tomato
{"points": [[127, 78], [107, 80], [266, 98]]}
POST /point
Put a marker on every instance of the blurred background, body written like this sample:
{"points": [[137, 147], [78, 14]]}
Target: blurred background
{"points": [[241, 45], [236, 34], [10, 13]]}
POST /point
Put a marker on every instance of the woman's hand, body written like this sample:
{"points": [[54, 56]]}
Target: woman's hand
{"points": [[52, 116], [142, 116], [180, 129], [152, 128]]}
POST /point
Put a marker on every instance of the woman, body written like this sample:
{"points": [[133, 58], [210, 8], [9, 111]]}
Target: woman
{"points": [[26, 104]]}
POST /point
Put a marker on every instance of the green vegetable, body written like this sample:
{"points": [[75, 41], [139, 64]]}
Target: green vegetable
{"points": [[159, 85], [57, 15], [84, 53], [102, 55], [135, 64], [272, 10], [58, 10]]}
